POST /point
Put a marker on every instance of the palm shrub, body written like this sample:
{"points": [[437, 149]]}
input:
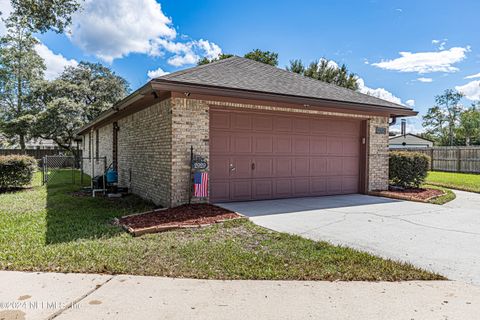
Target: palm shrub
{"points": [[16, 171], [408, 169]]}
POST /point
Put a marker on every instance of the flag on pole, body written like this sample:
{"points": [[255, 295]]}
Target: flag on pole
{"points": [[200, 184]]}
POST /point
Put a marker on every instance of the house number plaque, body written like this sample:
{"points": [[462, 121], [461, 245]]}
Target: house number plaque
{"points": [[380, 130], [199, 163]]}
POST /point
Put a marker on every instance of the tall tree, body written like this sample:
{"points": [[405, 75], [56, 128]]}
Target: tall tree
{"points": [[205, 60], [446, 112], [21, 68], [327, 71], [44, 15], [77, 97], [267, 57], [469, 127], [296, 66]]}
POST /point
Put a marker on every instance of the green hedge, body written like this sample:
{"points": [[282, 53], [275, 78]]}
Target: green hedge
{"points": [[408, 169], [16, 171]]}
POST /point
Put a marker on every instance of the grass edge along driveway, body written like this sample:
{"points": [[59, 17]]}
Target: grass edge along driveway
{"points": [[49, 229], [460, 181]]}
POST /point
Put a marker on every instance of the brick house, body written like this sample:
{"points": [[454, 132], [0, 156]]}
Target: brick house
{"points": [[265, 132]]}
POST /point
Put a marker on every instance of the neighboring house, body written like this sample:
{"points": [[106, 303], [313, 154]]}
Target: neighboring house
{"points": [[39, 143], [266, 133], [409, 141], [35, 143]]}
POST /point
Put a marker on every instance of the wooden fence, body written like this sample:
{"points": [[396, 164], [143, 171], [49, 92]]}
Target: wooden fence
{"points": [[36, 153], [452, 159]]}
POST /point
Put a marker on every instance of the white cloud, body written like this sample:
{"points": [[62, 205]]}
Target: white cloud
{"points": [[425, 62], [113, 30], [55, 63], [188, 52], [440, 43], [156, 73], [410, 103], [211, 50], [422, 79], [5, 9], [378, 92], [473, 76], [134, 26], [471, 90]]}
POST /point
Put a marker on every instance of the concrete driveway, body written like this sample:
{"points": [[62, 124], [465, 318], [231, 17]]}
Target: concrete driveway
{"points": [[444, 239]]}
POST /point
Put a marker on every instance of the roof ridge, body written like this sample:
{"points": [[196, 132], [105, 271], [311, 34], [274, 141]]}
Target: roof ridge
{"points": [[325, 83]]}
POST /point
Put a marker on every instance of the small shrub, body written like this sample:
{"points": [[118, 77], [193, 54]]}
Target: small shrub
{"points": [[16, 171], [408, 169]]}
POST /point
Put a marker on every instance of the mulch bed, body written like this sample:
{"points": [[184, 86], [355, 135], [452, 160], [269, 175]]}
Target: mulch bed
{"points": [[185, 216], [420, 194]]}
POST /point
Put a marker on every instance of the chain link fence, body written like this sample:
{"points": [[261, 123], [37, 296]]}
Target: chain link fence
{"points": [[58, 169]]}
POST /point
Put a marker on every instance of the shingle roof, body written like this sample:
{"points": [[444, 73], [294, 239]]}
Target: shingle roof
{"points": [[246, 74]]}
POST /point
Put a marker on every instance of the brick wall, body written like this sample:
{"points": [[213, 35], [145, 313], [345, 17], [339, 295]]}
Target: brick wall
{"points": [[190, 128], [105, 143], [145, 152], [378, 155], [154, 146]]}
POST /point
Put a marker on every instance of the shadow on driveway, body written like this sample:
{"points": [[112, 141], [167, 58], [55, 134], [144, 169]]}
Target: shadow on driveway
{"points": [[291, 205]]}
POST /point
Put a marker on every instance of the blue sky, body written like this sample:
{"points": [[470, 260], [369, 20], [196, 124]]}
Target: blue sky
{"points": [[405, 51]]}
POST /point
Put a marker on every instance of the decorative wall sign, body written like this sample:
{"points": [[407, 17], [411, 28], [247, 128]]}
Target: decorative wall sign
{"points": [[199, 163], [380, 130]]}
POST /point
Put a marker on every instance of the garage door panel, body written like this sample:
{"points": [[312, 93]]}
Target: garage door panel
{"points": [[349, 184], [241, 143], [282, 188], [350, 166], [318, 185], [262, 123], [301, 144], [220, 144], [220, 190], [282, 144], [301, 167], [263, 144], [301, 125], [319, 126], [351, 146], [301, 187], [318, 145], [318, 166], [241, 189], [282, 124], [335, 166], [334, 146], [283, 167], [221, 169], [219, 120], [262, 189], [263, 167], [334, 185], [241, 121], [242, 168]]}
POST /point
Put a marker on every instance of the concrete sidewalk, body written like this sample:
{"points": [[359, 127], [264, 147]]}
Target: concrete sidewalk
{"points": [[80, 296]]}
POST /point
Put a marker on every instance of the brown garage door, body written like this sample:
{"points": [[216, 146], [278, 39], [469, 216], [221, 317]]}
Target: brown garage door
{"points": [[257, 156]]}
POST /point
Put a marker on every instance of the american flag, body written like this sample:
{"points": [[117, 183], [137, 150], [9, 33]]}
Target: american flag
{"points": [[200, 184]]}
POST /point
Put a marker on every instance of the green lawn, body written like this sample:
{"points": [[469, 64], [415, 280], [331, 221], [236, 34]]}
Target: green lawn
{"points": [[460, 181], [447, 197], [49, 229]]}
